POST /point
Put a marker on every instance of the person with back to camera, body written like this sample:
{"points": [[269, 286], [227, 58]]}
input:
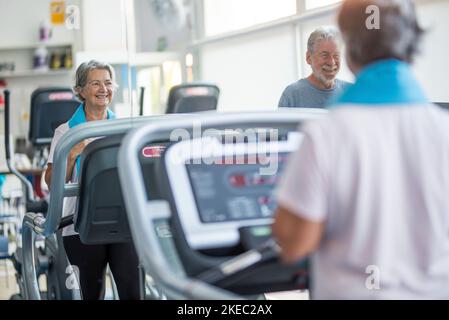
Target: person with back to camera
{"points": [[95, 88], [365, 195], [323, 56]]}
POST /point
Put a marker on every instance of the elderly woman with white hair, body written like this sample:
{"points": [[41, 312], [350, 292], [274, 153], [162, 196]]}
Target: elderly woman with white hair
{"points": [[95, 88]]}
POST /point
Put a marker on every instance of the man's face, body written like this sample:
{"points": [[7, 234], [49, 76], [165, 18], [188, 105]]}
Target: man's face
{"points": [[325, 61]]}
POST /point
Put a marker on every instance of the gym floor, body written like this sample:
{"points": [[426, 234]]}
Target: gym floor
{"points": [[8, 285]]}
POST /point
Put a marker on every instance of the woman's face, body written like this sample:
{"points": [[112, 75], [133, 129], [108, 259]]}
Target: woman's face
{"points": [[99, 89]]}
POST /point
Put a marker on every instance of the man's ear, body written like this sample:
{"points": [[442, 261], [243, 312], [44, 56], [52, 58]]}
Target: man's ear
{"points": [[309, 57]]}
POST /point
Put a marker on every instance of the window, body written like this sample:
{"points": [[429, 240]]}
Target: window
{"points": [[314, 4], [222, 16]]}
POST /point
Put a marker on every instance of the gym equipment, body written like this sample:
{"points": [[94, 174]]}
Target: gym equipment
{"points": [[48, 226], [193, 97], [47, 259], [50, 107], [100, 217], [209, 238]]}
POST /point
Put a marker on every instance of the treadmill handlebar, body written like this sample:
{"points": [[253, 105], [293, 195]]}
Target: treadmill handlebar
{"points": [[66, 221], [60, 189], [266, 252], [7, 94], [132, 185], [40, 206], [26, 184]]}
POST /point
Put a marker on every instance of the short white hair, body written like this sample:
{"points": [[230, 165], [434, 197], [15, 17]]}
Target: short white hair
{"points": [[323, 33]]}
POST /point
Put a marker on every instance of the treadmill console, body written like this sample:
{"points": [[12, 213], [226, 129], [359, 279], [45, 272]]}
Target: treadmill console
{"points": [[219, 188], [222, 197], [227, 192]]}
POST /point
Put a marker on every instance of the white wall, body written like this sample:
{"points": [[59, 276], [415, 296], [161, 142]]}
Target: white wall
{"points": [[252, 70], [102, 30], [103, 23], [431, 66], [150, 30], [20, 20], [19, 27]]}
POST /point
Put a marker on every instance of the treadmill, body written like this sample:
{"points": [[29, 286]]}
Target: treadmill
{"points": [[209, 236]]}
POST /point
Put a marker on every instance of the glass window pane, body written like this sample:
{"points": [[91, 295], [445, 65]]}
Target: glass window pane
{"points": [[222, 16], [313, 4]]}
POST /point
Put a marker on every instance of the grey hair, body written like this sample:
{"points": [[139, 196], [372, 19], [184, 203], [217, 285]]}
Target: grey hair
{"points": [[82, 74], [322, 33], [398, 37]]}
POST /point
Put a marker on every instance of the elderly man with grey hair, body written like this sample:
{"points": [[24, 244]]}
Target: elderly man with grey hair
{"points": [[366, 194], [323, 56]]}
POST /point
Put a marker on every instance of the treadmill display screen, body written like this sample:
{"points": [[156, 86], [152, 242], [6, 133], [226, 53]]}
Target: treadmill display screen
{"points": [[231, 192]]}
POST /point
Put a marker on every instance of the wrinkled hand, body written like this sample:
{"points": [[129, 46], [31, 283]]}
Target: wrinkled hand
{"points": [[79, 148]]}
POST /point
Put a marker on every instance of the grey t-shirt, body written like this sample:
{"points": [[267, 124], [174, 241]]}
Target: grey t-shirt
{"points": [[302, 94]]}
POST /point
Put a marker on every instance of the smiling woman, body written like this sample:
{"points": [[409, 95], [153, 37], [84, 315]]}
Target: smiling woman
{"points": [[95, 88]]}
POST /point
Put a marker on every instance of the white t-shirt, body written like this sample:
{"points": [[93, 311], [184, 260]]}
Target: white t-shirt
{"points": [[379, 179], [69, 205]]}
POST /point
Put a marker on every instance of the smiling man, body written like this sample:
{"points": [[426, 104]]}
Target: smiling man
{"points": [[366, 194], [323, 56]]}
